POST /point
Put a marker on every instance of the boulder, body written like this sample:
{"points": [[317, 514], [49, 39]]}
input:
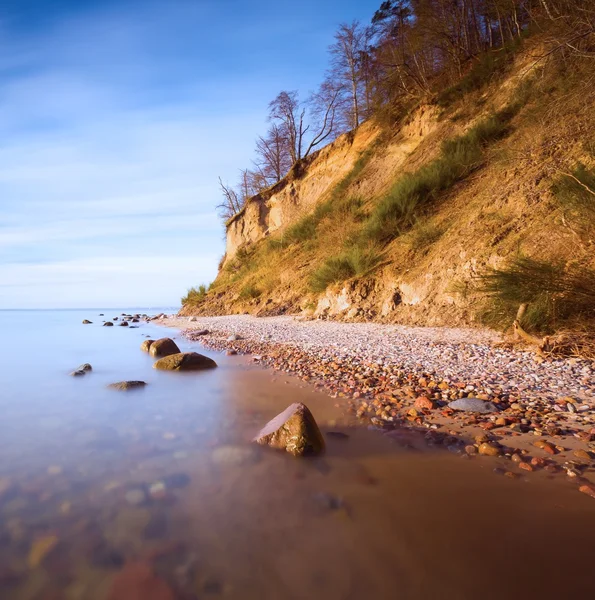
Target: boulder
{"points": [[146, 345], [124, 386], [85, 367], [108, 324], [473, 405], [163, 347], [77, 373], [184, 361], [124, 324], [87, 322], [294, 430]]}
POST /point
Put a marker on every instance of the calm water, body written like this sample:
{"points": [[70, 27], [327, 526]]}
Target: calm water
{"points": [[92, 480]]}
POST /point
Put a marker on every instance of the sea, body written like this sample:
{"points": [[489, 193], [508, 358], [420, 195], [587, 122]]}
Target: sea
{"points": [[159, 493]]}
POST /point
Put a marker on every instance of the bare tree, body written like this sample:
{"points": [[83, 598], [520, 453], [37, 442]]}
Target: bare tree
{"points": [[231, 203], [273, 154], [347, 67], [287, 112]]}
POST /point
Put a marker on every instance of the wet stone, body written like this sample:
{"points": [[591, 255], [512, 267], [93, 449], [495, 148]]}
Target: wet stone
{"points": [[473, 405]]}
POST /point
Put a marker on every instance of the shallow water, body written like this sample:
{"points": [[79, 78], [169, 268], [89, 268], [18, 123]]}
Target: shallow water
{"points": [[371, 519]]}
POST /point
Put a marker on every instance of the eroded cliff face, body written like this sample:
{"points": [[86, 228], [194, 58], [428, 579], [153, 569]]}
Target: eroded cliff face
{"points": [[298, 193], [426, 276]]}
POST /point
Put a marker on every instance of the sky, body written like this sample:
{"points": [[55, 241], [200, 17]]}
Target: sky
{"points": [[117, 117]]}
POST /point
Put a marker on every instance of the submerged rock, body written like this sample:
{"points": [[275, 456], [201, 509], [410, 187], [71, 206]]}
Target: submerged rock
{"points": [[78, 373], [146, 345], [184, 361], [473, 405], [86, 367], [87, 322], [108, 324], [137, 581], [294, 430], [127, 385], [124, 324], [163, 347]]}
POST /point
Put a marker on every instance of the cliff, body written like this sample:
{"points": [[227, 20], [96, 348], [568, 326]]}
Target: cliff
{"points": [[337, 238]]}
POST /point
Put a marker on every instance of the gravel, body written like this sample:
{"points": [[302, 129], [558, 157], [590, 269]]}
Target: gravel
{"points": [[449, 355]]}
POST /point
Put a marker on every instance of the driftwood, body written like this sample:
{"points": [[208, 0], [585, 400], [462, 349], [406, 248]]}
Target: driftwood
{"points": [[580, 344]]}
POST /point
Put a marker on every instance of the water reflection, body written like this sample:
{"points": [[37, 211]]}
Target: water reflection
{"points": [[98, 486]]}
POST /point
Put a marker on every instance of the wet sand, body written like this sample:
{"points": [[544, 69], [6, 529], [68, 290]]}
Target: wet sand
{"points": [[162, 486]]}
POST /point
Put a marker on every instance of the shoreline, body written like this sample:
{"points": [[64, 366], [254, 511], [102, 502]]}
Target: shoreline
{"points": [[400, 380]]}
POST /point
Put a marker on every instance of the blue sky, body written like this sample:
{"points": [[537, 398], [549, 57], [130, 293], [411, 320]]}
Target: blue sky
{"points": [[116, 117]]}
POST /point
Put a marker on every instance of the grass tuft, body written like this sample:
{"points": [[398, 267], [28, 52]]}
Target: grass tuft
{"points": [[195, 295]]}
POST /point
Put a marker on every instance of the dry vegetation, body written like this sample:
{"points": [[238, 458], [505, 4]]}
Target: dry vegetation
{"points": [[495, 208]]}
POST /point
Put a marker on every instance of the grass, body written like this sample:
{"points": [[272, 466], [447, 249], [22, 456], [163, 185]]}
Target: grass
{"points": [[195, 295], [399, 209], [249, 292], [576, 190], [488, 65], [424, 234], [555, 292], [351, 263]]}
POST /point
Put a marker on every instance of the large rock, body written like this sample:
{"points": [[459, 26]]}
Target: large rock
{"points": [[108, 324], [163, 347], [473, 405], [184, 361], [146, 345], [124, 386], [294, 430]]}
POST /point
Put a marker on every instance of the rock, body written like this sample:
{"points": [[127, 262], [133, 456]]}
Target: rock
{"points": [[163, 347], [127, 385], [146, 345], [87, 322], [294, 430], [233, 456], [192, 319], [234, 338], [184, 361], [582, 455], [545, 446], [135, 497], [489, 449], [424, 403], [473, 405], [86, 367], [108, 324], [40, 548], [137, 581], [124, 324], [201, 332], [470, 449], [525, 466], [587, 489], [339, 435], [78, 373], [231, 353]]}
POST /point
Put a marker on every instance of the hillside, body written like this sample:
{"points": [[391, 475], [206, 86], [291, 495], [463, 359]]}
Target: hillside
{"points": [[467, 207]]}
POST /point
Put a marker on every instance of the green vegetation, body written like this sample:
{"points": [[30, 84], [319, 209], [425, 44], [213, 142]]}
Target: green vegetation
{"points": [[398, 210], [423, 234], [489, 65], [555, 292], [195, 295], [354, 262], [576, 190], [249, 292]]}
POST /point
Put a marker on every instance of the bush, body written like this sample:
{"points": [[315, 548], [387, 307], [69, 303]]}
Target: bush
{"points": [[356, 261], [424, 234], [554, 292], [195, 295], [249, 292]]}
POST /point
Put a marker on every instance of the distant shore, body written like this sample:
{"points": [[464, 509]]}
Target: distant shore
{"points": [[391, 377]]}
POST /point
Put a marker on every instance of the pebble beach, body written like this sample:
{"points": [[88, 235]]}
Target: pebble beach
{"points": [[395, 377]]}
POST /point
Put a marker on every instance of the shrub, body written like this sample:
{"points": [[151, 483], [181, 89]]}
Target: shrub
{"points": [[554, 292], [353, 262], [195, 295], [249, 292], [424, 234]]}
